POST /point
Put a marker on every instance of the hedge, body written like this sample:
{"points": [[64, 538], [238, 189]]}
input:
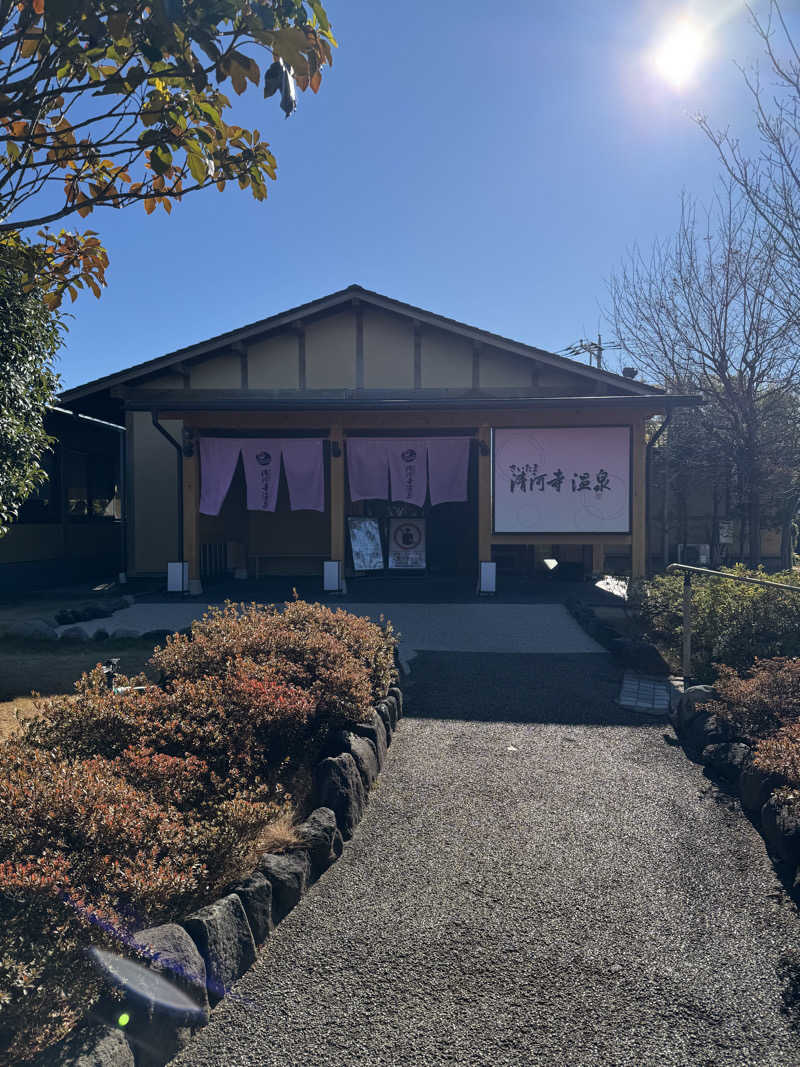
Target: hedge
{"points": [[733, 623], [119, 810]]}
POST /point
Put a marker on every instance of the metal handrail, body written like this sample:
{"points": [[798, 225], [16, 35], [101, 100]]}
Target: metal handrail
{"points": [[688, 571]]}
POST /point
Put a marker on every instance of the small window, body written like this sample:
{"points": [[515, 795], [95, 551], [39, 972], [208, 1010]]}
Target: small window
{"points": [[76, 484], [44, 504], [104, 487], [92, 486]]}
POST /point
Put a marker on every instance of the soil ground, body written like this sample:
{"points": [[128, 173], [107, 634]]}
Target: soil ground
{"points": [[52, 667]]}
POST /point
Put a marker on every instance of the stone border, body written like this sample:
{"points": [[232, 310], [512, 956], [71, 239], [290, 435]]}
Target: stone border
{"points": [[43, 628], [730, 765], [637, 654], [209, 950]]}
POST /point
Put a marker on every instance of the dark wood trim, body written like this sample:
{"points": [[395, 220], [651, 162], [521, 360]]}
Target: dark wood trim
{"points": [[359, 345], [245, 367], [476, 366], [417, 355], [301, 358], [353, 399]]}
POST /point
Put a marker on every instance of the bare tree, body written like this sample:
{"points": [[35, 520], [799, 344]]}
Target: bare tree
{"points": [[771, 179], [705, 312]]}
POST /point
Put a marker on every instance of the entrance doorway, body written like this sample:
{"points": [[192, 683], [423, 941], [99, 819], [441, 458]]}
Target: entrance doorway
{"points": [[451, 529]]}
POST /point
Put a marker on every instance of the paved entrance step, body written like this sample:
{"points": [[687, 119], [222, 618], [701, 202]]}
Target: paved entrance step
{"points": [[649, 694]]}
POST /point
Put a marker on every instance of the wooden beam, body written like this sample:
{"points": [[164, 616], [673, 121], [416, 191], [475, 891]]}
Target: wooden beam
{"points": [[191, 513], [484, 494], [417, 355], [359, 345], [598, 558], [337, 502], [301, 358], [639, 507]]}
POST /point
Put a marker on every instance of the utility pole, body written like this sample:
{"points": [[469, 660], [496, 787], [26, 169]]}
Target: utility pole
{"points": [[593, 349]]}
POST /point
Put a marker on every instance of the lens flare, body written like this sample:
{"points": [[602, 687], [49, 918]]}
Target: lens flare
{"points": [[678, 55]]}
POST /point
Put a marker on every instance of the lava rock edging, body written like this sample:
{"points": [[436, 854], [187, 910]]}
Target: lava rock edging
{"points": [[635, 653], [205, 953]]}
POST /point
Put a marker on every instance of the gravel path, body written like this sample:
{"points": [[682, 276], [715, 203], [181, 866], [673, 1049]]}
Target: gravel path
{"points": [[539, 879]]}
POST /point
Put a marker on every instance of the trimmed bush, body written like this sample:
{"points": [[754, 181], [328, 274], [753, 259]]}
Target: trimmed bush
{"points": [[732, 622], [119, 810], [756, 705], [345, 662]]}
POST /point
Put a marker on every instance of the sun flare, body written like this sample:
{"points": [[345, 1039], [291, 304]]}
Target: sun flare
{"points": [[677, 56]]}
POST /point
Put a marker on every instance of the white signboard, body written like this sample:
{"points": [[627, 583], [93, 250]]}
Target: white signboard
{"points": [[572, 479], [407, 544], [365, 541], [726, 531]]}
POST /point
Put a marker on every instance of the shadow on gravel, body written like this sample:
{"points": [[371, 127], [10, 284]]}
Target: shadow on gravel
{"points": [[514, 687], [789, 975]]}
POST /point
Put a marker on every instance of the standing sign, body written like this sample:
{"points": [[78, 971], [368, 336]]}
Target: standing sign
{"points": [[726, 531], [407, 544], [554, 480], [365, 541]]}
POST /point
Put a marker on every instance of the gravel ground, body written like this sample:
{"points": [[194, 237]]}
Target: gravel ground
{"points": [[540, 878]]}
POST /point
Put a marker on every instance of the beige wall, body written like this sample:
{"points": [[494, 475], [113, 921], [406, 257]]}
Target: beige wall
{"points": [[388, 351], [153, 521], [274, 364], [446, 361], [331, 352], [501, 369], [220, 372]]}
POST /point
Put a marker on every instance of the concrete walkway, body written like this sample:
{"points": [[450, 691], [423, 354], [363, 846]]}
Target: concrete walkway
{"points": [[540, 878], [486, 626]]}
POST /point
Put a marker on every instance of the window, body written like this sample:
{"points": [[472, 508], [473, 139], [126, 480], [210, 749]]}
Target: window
{"points": [[44, 504], [104, 488], [92, 486], [76, 483]]}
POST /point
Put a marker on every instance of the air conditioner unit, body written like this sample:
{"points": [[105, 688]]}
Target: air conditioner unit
{"points": [[695, 555]]}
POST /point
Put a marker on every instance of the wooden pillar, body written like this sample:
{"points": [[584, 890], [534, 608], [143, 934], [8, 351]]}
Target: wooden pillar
{"points": [[337, 503], [598, 558], [638, 502], [191, 513], [484, 495]]}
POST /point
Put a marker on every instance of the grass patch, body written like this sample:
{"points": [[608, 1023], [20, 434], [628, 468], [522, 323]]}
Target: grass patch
{"points": [[51, 667]]}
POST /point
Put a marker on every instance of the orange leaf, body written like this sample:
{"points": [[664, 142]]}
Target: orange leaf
{"points": [[149, 205]]}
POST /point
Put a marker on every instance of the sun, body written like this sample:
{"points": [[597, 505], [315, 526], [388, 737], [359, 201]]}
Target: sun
{"points": [[677, 56]]}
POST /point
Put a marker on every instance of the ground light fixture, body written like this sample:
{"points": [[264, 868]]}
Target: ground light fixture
{"points": [[551, 564]]}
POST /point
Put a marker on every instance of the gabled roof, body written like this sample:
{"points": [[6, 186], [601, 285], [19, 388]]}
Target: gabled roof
{"points": [[345, 297]]}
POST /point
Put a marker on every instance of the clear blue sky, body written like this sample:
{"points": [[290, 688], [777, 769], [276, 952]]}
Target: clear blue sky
{"points": [[492, 168]]}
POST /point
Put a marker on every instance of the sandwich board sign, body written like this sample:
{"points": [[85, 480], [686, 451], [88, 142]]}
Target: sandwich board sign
{"points": [[365, 542], [407, 544]]}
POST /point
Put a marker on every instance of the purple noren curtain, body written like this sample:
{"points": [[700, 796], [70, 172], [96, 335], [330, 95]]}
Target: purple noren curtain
{"points": [[262, 472], [218, 459], [367, 468], [448, 465], [408, 468], [302, 462]]}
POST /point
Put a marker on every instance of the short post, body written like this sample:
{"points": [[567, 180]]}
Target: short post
{"points": [[687, 628]]}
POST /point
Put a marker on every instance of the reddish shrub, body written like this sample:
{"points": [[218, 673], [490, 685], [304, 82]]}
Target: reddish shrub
{"points": [[122, 809], [345, 662], [757, 704], [780, 754], [85, 856]]}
